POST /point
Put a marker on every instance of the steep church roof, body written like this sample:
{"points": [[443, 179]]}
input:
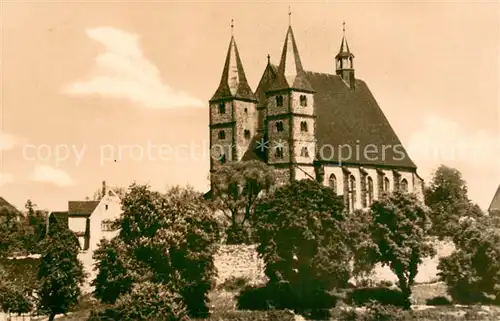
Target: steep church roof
{"points": [[495, 202], [353, 117], [290, 74], [233, 82]]}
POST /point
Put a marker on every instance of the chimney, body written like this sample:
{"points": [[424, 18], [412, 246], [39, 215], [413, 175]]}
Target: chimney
{"points": [[103, 188]]}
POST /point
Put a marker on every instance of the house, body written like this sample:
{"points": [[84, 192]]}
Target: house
{"points": [[91, 221], [494, 208], [325, 126]]}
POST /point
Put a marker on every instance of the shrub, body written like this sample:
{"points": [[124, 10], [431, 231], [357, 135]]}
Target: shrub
{"points": [[383, 296], [376, 312], [271, 315], [438, 300]]}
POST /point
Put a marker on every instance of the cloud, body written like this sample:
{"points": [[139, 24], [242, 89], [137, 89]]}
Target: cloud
{"points": [[7, 141], [47, 174], [122, 71], [6, 178]]}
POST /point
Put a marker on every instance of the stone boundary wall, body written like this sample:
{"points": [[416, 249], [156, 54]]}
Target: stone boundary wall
{"points": [[239, 261]]}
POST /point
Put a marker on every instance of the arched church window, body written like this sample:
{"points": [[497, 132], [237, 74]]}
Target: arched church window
{"points": [[303, 126], [332, 181], [387, 185], [369, 194], [279, 126], [303, 100], [304, 152], [279, 101], [222, 134], [404, 185], [222, 108], [352, 192], [279, 152]]}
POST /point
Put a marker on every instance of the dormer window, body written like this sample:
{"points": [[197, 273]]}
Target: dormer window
{"points": [[279, 126], [279, 101], [222, 134], [303, 100], [303, 126], [246, 133], [222, 108]]}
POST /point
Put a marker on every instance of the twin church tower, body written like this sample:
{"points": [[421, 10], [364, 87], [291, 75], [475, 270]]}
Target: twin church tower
{"points": [[322, 126]]}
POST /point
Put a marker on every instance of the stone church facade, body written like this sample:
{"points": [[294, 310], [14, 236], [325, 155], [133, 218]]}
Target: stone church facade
{"points": [[322, 126]]}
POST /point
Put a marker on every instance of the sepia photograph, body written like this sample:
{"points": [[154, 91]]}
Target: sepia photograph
{"points": [[249, 160]]}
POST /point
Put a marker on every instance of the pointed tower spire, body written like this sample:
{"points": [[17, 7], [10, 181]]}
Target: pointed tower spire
{"points": [[345, 61], [290, 71], [233, 82]]}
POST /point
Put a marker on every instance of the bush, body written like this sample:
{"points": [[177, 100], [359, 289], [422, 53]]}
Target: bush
{"points": [[376, 312], [383, 296], [271, 315], [438, 300]]}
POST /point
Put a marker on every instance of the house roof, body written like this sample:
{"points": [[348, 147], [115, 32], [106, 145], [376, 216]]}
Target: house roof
{"points": [[290, 71], [81, 208], [346, 116], [233, 82], [8, 206], [495, 202]]}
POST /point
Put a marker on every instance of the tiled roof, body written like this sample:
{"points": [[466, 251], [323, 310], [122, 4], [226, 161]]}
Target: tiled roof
{"points": [[290, 71], [8, 206], [233, 71], [495, 202], [81, 207], [353, 117]]}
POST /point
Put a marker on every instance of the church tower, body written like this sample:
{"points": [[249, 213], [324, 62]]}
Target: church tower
{"points": [[345, 62], [291, 119], [233, 112]]}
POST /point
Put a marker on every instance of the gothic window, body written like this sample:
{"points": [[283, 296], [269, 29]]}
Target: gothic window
{"points": [[332, 181], [303, 126], [387, 185], [404, 185], [304, 152], [222, 134], [279, 101], [369, 194], [279, 126], [222, 158], [279, 152], [352, 192], [222, 108], [303, 100], [246, 134]]}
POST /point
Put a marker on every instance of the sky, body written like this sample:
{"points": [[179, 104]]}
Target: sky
{"points": [[119, 91]]}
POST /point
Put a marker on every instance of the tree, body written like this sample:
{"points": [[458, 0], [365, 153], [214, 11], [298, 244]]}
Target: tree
{"points": [[10, 231], [15, 297], [472, 271], [34, 227], [168, 239], [61, 273], [300, 228], [399, 228], [447, 197], [235, 189]]}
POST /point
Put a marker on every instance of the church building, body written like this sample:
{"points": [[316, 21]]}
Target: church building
{"points": [[325, 126]]}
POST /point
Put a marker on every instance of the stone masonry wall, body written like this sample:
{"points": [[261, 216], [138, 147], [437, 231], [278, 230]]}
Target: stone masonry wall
{"points": [[239, 261]]}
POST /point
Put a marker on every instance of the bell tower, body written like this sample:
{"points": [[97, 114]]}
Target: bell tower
{"points": [[344, 62]]}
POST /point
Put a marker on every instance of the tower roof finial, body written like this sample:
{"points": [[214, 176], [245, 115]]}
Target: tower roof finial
{"points": [[268, 58], [343, 28], [232, 27], [289, 15]]}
